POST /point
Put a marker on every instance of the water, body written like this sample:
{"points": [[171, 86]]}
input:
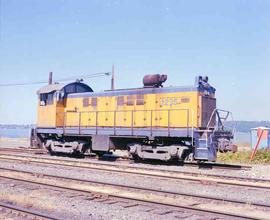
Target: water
{"points": [[15, 132], [242, 137]]}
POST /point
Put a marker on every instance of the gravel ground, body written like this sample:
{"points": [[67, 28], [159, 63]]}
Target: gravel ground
{"points": [[257, 170], [14, 142], [73, 206], [70, 205], [260, 171], [248, 195]]}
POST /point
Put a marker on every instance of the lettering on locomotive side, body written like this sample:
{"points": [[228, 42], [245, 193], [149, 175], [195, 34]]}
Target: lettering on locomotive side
{"points": [[170, 101]]}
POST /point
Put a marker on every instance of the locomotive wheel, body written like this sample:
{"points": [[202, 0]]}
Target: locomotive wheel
{"points": [[136, 158], [77, 154], [100, 153], [51, 152]]}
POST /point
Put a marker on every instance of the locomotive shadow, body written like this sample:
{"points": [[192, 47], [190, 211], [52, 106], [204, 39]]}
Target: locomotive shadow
{"points": [[114, 158]]}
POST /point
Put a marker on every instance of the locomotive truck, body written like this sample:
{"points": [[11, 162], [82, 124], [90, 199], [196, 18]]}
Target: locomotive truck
{"points": [[150, 122]]}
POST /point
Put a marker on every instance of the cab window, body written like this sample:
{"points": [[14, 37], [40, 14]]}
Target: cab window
{"points": [[50, 99], [46, 99]]}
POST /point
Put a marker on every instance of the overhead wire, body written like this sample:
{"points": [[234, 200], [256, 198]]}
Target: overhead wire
{"points": [[85, 76]]}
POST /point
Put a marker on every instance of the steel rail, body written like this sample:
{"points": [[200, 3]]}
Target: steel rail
{"points": [[199, 165], [185, 175], [27, 211], [128, 188], [22, 149], [149, 189]]}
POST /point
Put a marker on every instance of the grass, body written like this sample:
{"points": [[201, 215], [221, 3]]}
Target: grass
{"points": [[261, 157]]}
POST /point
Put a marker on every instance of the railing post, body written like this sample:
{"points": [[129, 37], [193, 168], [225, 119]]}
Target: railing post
{"points": [[192, 132], [187, 122], [96, 122], [132, 122], [79, 123], [88, 119], [64, 122], [114, 123], [169, 111], [151, 123]]}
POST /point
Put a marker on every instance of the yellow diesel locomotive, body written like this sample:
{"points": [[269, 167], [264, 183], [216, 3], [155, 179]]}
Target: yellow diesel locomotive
{"points": [[151, 122]]}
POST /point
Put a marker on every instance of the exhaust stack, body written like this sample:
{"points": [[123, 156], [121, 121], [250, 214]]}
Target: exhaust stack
{"points": [[112, 80], [50, 78]]}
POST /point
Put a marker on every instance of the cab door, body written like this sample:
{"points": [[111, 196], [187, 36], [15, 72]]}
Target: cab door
{"points": [[208, 105], [47, 110], [60, 109]]}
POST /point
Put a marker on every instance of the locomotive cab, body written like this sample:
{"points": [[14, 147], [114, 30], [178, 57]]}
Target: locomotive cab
{"points": [[51, 102]]}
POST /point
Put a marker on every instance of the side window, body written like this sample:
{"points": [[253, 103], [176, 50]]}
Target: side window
{"points": [[70, 89], [120, 100], [140, 100], [130, 100], [50, 99], [43, 99], [80, 88], [94, 102], [85, 102]]}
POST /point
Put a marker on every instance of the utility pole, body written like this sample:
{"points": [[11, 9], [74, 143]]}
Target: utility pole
{"points": [[50, 78], [112, 80]]}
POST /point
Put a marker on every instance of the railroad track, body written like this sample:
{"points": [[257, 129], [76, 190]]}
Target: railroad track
{"points": [[149, 172], [205, 165], [23, 150], [171, 199], [209, 165], [13, 212]]}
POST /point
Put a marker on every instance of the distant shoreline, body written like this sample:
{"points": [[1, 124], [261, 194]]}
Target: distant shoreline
{"points": [[15, 126]]}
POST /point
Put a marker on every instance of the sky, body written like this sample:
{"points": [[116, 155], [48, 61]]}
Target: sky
{"points": [[227, 40]]}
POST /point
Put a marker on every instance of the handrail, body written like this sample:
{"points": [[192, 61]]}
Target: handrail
{"points": [[80, 116], [169, 118], [136, 110], [192, 133], [221, 120]]}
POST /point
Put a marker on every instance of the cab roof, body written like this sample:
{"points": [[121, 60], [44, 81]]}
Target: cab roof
{"points": [[63, 87]]}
